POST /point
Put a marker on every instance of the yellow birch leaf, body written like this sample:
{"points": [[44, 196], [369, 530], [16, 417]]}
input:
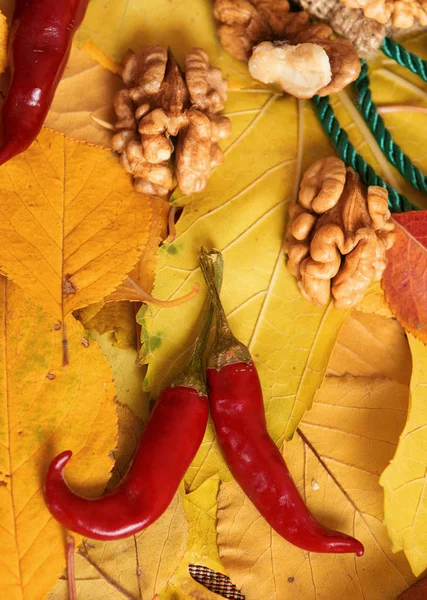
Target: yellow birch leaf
{"points": [[141, 279], [404, 480], [45, 409], [336, 458], [86, 89], [120, 316], [72, 227]]}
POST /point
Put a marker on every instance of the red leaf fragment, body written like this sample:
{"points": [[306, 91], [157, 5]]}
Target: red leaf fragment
{"points": [[405, 278], [418, 591]]}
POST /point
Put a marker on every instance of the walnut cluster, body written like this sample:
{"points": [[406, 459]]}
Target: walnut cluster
{"points": [[284, 48], [160, 113], [338, 234], [403, 14]]}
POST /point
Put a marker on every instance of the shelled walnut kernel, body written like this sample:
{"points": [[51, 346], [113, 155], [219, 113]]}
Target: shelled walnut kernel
{"points": [[160, 112], [285, 48], [338, 234]]}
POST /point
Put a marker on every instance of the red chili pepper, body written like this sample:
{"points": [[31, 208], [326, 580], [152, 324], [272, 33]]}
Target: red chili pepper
{"points": [[40, 37], [168, 445], [237, 410]]}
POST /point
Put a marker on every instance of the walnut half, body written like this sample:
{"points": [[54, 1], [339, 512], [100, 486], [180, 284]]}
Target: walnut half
{"points": [[285, 48], [162, 113], [338, 234]]}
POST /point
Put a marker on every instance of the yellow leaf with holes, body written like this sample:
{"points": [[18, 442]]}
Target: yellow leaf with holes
{"points": [[72, 227], [336, 458], [45, 409], [404, 480]]}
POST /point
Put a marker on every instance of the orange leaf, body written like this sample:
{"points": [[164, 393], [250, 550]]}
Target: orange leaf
{"points": [[404, 280]]}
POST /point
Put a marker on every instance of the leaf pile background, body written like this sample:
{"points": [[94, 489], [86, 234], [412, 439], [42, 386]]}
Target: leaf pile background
{"points": [[337, 384]]}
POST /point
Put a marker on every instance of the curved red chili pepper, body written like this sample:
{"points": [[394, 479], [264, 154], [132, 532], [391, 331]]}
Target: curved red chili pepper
{"points": [[237, 410], [169, 443], [41, 36]]}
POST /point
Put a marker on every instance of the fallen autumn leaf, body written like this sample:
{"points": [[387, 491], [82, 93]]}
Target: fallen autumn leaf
{"points": [[72, 226], [404, 280], [45, 409]]}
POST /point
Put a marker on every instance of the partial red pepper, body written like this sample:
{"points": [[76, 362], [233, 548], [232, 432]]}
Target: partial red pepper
{"points": [[40, 42], [168, 445], [237, 410]]}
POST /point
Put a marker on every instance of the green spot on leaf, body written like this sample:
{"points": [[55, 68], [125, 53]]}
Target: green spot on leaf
{"points": [[155, 341]]}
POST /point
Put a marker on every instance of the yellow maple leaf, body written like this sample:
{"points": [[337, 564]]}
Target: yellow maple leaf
{"points": [[404, 480], [72, 226], [45, 409], [336, 458]]}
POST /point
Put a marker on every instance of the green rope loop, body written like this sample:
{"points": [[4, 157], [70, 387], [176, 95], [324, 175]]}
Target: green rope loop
{"points": [[376, 124], [404, 58], [397, 202]]}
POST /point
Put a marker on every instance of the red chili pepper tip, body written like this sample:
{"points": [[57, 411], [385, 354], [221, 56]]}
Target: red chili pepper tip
{"points": [[237, 411]]}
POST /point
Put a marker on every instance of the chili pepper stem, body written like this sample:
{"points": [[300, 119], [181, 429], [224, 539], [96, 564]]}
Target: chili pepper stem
{"points": [[226, 349], [192, 375]]}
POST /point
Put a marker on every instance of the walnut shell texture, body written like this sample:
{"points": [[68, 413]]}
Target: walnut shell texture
{"points": [[338, 234]]}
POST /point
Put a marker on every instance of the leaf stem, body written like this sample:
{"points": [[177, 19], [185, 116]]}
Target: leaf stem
{"points": [[71, 573], [145, 297]]}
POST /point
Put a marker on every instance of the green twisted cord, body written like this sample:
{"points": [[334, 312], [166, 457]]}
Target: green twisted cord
{"points": [[376, 124], [404, 58], [397, 202]]}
